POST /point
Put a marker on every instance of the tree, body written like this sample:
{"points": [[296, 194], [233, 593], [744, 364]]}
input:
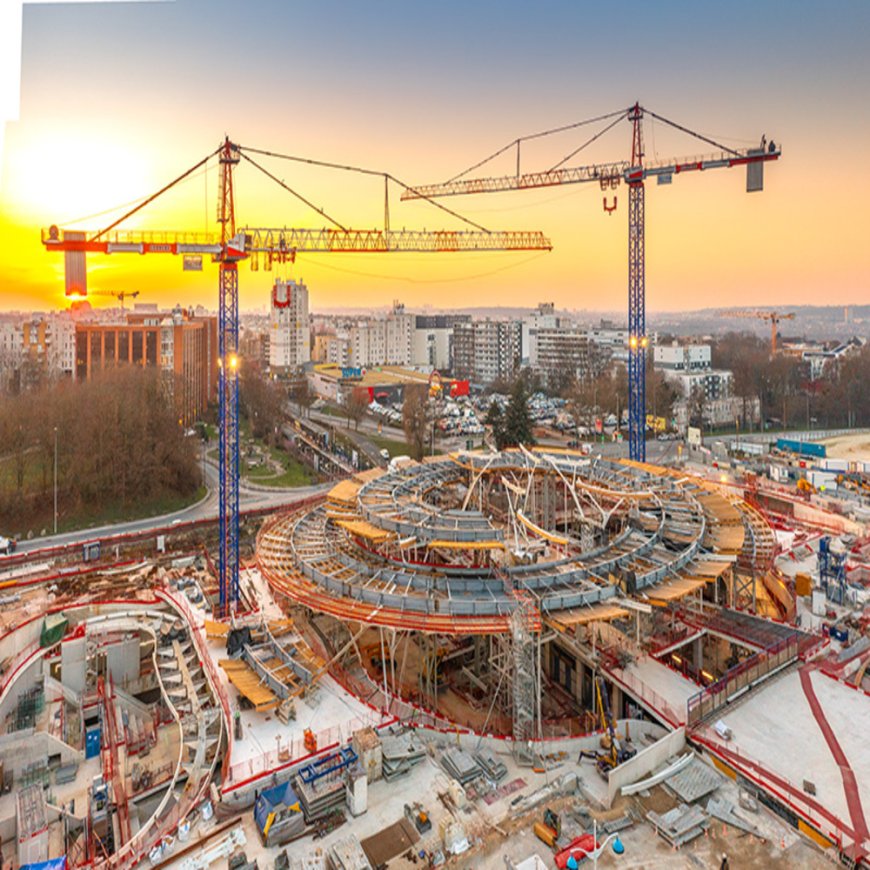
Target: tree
{"points": [[517, 427], [119, 444], [416, 419], [261, 401], [303, 396], [661, 394], [495, 420], [355, 403], [696, 406]]}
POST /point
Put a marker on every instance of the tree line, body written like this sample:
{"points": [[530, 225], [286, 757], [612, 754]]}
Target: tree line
{"points": [[787, 393], [118, 444]]}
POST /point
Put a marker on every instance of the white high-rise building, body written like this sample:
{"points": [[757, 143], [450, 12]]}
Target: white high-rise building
{"points": [[544, 317], [386, 341], [289, 330]]}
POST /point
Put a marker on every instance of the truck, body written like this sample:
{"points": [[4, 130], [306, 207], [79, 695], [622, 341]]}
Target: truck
{"points": [[7, 545]]}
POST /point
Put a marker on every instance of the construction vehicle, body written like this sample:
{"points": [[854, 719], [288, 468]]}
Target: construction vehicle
{"points": [[613, 752], [545, 834], [550, 829]]}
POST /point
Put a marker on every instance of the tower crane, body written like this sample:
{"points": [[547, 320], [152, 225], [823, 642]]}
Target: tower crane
{"points": [[773, 316], [228, 248], [120, 295], [610, 176]]}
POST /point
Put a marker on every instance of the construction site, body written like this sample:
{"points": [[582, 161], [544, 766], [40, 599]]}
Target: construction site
{"points": [[528, 657], [484, 656]]}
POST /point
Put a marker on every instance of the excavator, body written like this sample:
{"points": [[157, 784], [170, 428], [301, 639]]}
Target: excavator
{"points": [[613, 753]]}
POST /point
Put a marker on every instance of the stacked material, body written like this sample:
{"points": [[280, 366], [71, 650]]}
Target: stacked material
{"points": [[347, 854], [679, 825], [367, 746], [321, 796], [694, 781], [400, 754], [725, 811], [491, 766], [461, 765]]}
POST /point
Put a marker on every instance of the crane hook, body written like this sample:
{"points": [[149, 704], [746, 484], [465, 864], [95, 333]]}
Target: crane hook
{"points": [[609, 208]]}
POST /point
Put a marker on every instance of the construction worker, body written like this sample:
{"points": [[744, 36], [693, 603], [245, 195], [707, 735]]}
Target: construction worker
{"points": [[724, 865]]}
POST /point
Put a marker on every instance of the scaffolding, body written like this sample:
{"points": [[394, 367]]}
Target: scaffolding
{"points": [[526, 697]]}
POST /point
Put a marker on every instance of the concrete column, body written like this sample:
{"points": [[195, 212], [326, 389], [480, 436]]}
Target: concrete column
{"points": [[699, 653]]}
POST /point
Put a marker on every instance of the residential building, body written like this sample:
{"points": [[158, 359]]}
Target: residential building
{"points": [[35, 348], [432, 341], [184, 347], [677, 357], [563, 354], [544, 317], [289, 332], [613, 338], [382, 341], [486, 350], [690, 366], [254, 346]]}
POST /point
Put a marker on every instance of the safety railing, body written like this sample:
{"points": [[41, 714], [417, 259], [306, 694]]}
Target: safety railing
{"points": [[296, 749], [792, 796], [743, 675], [635, 687]]}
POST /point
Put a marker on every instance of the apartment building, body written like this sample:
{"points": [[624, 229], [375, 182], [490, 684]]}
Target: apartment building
{"points": [[486, 350], [289, 329]]}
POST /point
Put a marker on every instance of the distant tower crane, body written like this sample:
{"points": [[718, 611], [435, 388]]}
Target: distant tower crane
{"points": [[120, 295], [609, 176], [773, 316], [230, 246]]}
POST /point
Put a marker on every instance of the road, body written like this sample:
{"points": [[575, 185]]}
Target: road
{"points": [[207, 508], [660, 452]]}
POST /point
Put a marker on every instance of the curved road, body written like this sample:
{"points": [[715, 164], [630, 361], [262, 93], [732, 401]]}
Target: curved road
{"points": [[204, 509]]}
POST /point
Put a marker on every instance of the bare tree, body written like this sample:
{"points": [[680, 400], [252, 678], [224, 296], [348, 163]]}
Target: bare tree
{"points": [[355, 403], [415, 418]]}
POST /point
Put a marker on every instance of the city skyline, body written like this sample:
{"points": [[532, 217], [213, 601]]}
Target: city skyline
{"points": [[423, 94]]}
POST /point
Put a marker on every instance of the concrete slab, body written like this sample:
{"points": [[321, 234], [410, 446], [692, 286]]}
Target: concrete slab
{"points": [[775, 726], [663, 682]]}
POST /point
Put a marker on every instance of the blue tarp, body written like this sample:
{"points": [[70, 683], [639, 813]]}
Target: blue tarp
{"points": [[802, 448], [53, 864]]}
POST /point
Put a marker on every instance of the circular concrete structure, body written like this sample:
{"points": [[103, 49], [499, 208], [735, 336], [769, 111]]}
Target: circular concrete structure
{"points": [[458, 544]]}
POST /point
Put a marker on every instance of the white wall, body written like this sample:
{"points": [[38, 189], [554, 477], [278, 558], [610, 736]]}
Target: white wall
{"points": [[645, 762]]}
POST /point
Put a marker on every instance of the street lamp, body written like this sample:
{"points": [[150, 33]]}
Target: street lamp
{"points": [[55, 479]]}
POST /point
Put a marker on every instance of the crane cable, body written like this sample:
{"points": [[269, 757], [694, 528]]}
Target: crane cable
{"points": [[620, 113], [588, 142], [363, 171], [683, 129], [289, 189], [154, 196]]}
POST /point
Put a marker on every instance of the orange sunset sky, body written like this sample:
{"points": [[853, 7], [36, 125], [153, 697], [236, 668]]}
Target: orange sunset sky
{"points": [[117, 99]]}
